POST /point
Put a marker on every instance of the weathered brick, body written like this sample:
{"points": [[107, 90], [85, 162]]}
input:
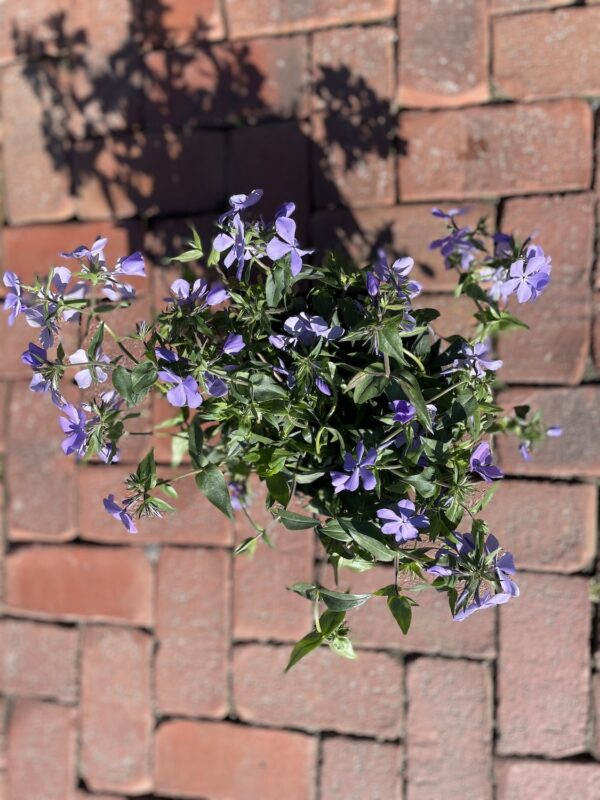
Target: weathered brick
{"points": [[35, 249], [36, 180], [74, 582], [432, 630], [41, 751], [533, 718], [445, 696], [284, 16], [456, 314], [3, 717], [227, 83], [41, 480], [596, 330], [577, 452], [12, 343], [284, 147], [506, 6], [38, 660], [155, 173], [263, 606], [34, 22], [529, 779], [193, 629], [596, 714], [351, 63], [547, 55], [401, 230], [116, 715], [223, 760], [555, 348], [443, 52], [353, 164], [558, 532], [373, 708], [176, 22], [196, 521], [354, 768], [563, 225], [4, 400], [496, 150]]}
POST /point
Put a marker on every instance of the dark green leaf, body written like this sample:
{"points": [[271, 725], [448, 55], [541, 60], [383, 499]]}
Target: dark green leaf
{"points": [[390, 343], [340, 601], [410, 387], [401, 610], [213, 486], [368, 387], [146, 471], [196, 443], [280, 487], [122, 382], [295, 522]]}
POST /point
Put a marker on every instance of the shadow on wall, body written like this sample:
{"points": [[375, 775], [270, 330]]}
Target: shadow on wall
{"points": [[158, 130]]}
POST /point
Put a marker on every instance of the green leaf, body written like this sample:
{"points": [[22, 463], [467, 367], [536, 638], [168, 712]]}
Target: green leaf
{"points": [[305, 646], [410, 387], [143, 377], [370, 385], [122, 382], [248, 546], [401, 610], [280, 487], [146, 471], [96, 342], [390, 343], [341, 601], [265, 388], [342, 646], [275, 286], [378, 549], [213, 486], [295, 522], [190, 255], [196, 443]]}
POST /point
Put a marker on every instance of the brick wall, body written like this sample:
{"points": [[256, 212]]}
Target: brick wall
{"points": [[153, 666]]}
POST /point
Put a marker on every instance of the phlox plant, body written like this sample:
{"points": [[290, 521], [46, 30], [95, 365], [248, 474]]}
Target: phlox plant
{"points": [[322, 379]]}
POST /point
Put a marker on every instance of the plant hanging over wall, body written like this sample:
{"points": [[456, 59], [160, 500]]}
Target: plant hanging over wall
{"points": [[323, 380]]}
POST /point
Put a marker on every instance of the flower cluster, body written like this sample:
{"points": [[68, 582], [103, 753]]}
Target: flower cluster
{"points": [[325, 381]]}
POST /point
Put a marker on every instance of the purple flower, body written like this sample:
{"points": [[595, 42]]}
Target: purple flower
{"points": [[471, 357], [456, 244], [120, 513], [74, 425], [215, 386], [285, 242], [132, 265], [92, 255], [403, 411], [481, 462], [279, 342], [116, 291], [183, 392], [235, 243], [238, 494], [356, 470], [322, 386], [554, 431], [289, 376], [497, 278], [285, 210], [402, 521], [479, 602], [503, 244], [239, 202], [45, 319], [186, 295], [308, 328], [529, 276], [233, 344], [450, 214], [13, 302], [397, 275], [85, 377], [525, 451], [35, 357]]}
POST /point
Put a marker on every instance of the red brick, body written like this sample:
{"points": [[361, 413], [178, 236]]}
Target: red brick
{"points": [[41, 752], [456, 314], [155, 173], [446, 696], [116, 715], [596, 714], [547, 55], [223, 761], [284, 147], [432, 631], [373, 708], [73, 582], [284, 16], [558, 532], [443, 52], [176, 22], [37, 183], [227, 83], [352, 65], [555, 348], [596, 331], [31, 21], [35, 249], [528, 779], [193, 629], [354, 768], [4, 390], [195, 521], [496, 150], [263, 606], [3, 717], [563, 225], [506, 6], [38, 660], [533, 718], [401, 230], [12, 343], [354, 164], [577, 452], [41, 479]]}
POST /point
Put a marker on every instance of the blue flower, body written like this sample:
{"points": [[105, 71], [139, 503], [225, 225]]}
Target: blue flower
{"points": [[357, 470]]}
